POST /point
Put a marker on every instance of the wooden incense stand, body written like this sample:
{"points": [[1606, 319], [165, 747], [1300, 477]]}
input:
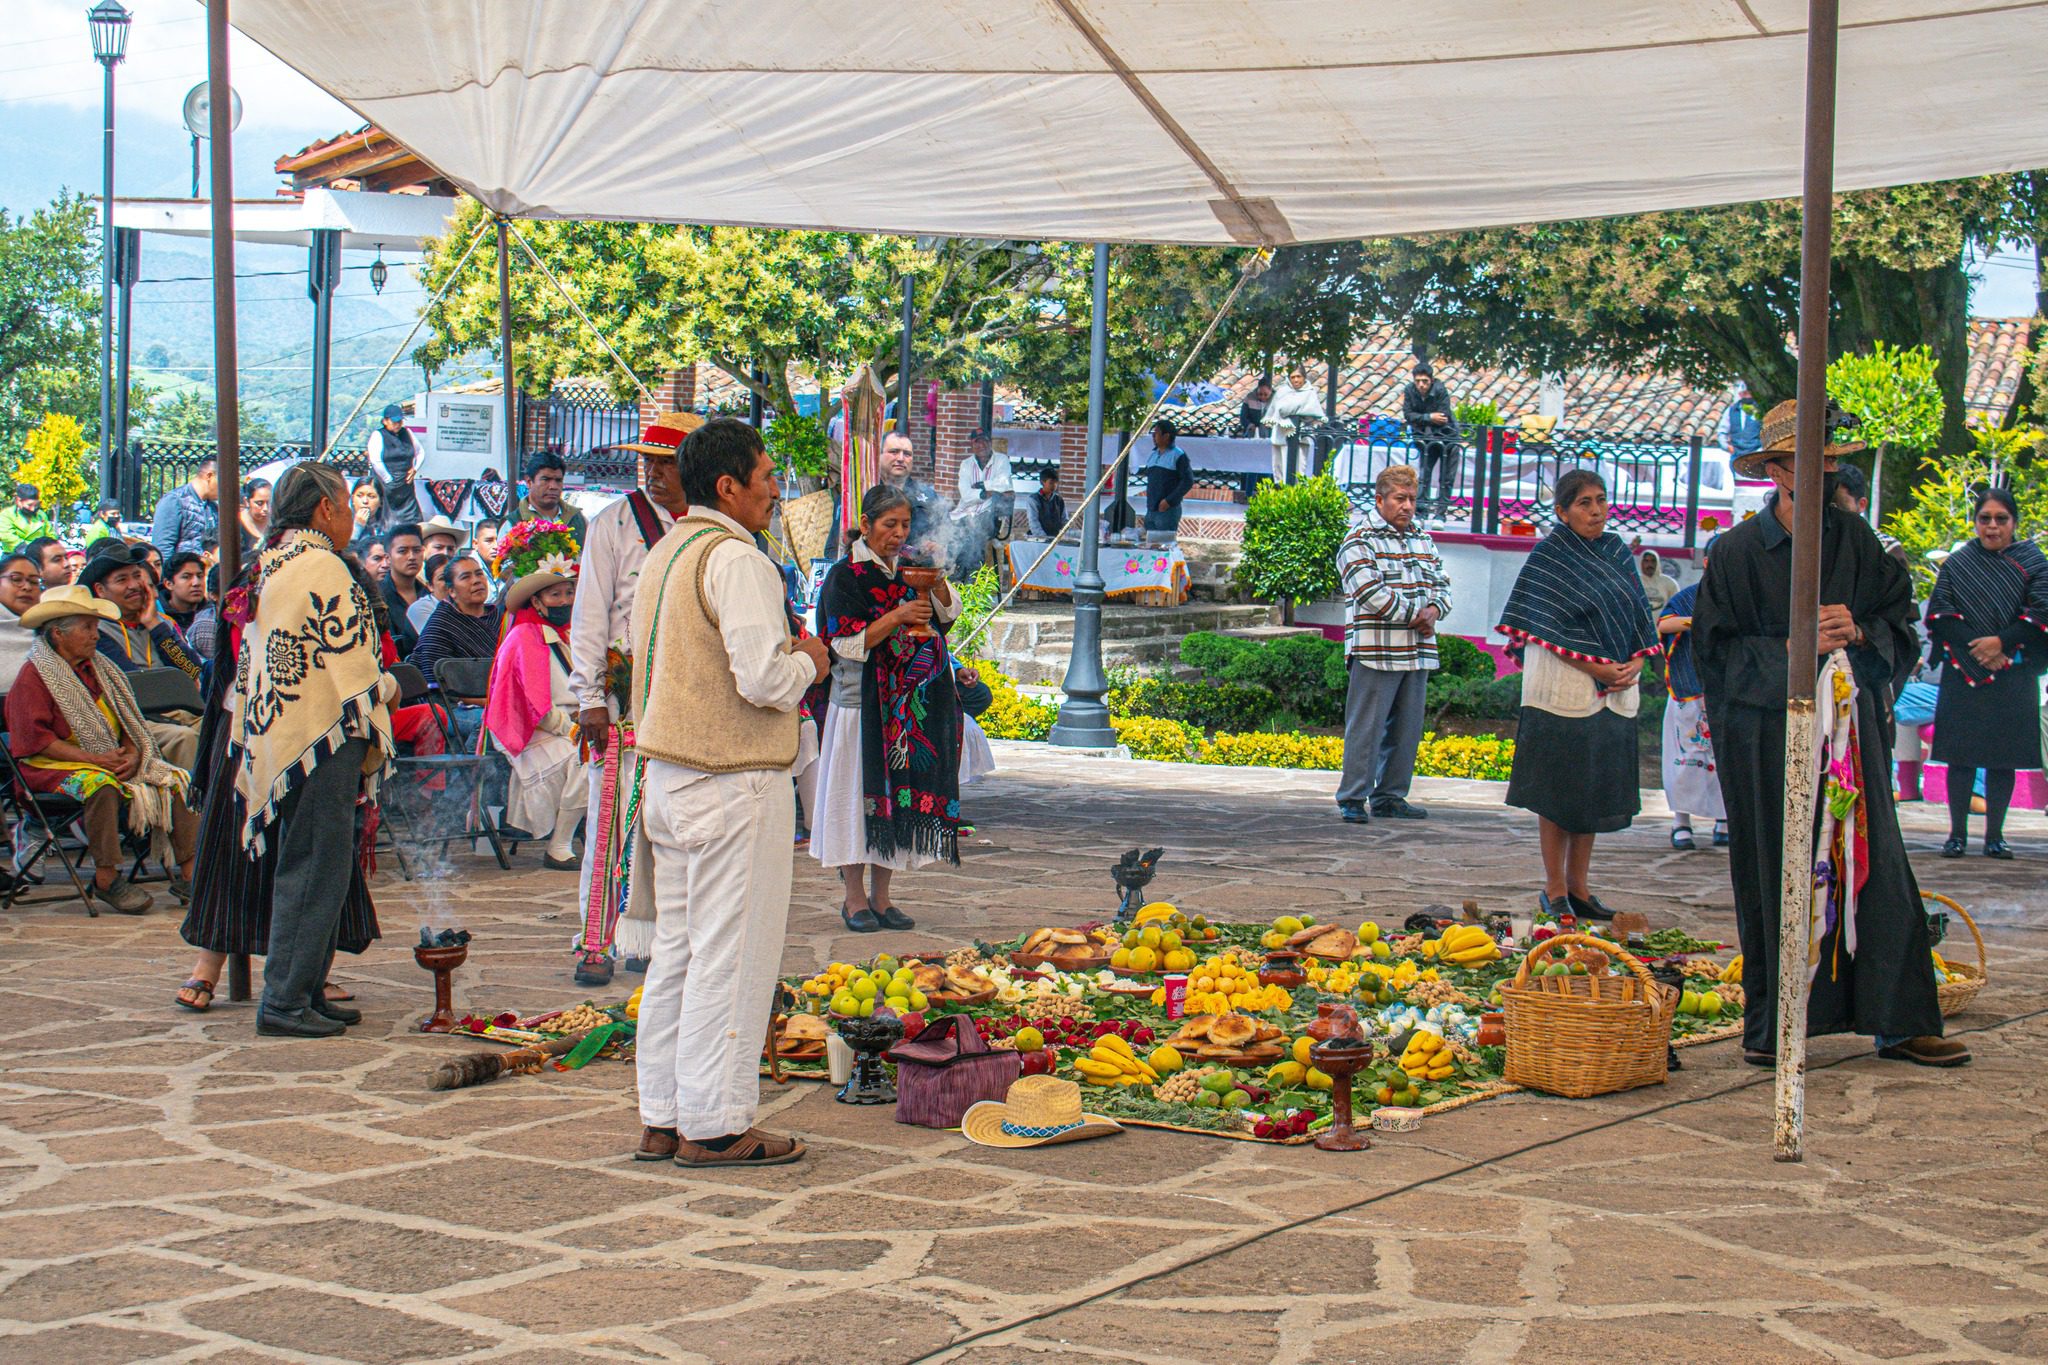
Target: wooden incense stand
{"points": [[442, 962], [1341, 1059]]}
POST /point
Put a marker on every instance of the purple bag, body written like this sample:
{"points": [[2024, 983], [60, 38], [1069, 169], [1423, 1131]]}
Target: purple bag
{"points": [[946, 1069]]}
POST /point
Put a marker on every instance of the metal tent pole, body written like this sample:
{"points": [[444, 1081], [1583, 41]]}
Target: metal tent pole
{"points": [[903, 357], [107, 475], [513, 444], [127, 270], [323, 275], [1084, 718], [226, 400], [1796, 882]]}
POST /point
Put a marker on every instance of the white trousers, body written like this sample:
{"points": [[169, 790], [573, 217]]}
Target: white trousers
{"points": [[721, 846]]}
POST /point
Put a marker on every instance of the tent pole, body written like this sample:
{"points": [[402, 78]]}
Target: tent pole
{"points": [[227, 413], [903, 356], [1084, 719], [513, 444], [1796, 884], [323, 276]]}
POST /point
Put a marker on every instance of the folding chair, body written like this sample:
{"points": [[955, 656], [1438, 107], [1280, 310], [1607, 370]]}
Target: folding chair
{"points": [[52, 817], [405, 807], [159, 692], [469, 680]]}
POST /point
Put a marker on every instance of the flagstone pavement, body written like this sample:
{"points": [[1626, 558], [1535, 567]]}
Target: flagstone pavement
{"points": [[174, 1188]]}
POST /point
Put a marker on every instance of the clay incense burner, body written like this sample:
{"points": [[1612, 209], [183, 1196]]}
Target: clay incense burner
{"points": [[869, 1038], [442, 962], [1341, 1059], [924, 578], [1282, 968]]}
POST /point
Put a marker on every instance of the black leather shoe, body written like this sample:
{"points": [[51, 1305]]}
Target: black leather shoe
{"points": [[1681, 839], [335, 1010], [861, 921], [1353, 812], [305, 1024], [896, 919], [551, 862], [1398, 809], [1589, 908], [1998, 848], [1952, 847], [634, 964], [1721, 834]]}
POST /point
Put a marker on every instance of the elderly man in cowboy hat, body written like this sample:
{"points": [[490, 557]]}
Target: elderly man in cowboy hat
{"points": [[1873, 973], [74, 728], [620, 537], [531, 713]]}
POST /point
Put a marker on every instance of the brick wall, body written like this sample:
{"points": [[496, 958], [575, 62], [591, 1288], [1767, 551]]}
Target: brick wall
{"points": [[959, 418], [676, 391]]}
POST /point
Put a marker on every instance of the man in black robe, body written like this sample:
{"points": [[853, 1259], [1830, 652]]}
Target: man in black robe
{"points": [[1741, 625]]}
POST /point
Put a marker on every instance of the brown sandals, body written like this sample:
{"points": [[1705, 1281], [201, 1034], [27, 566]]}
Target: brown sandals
{"points": [[196, 995], [751, 1148]]}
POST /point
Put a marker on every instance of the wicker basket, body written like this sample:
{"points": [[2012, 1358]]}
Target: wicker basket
{"points": [[1963, 982], [1586, 1035]]}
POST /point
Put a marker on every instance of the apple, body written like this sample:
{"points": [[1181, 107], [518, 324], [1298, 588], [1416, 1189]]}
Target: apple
{"points": [[913, 1024]]}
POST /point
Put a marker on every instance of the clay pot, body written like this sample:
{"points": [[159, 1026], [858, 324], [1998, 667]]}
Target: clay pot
{"points": [[924, 578], [1283, 969], [1493, 1030]]}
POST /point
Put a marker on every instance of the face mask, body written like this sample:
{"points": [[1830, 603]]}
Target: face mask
{"points": [[559, 616]]}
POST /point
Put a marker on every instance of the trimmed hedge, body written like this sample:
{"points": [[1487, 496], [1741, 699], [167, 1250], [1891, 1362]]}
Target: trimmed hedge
{"points": [[1208, 706], [1305, 673]]}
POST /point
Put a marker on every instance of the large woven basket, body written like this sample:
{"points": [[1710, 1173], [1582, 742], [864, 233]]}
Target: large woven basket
{"points": [[1963, 982], [1586, 1035]]}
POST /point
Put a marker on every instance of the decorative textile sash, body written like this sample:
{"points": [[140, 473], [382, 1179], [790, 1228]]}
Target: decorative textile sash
{"points": [[1580, 598], [494, 496], [449, 495], [607, 851], [1989, 591], [645, 517], [1841, 862], [95, 730]]}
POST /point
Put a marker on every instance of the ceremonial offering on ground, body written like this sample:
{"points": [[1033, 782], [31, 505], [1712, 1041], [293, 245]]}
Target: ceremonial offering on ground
{"points": [[441, 958]]}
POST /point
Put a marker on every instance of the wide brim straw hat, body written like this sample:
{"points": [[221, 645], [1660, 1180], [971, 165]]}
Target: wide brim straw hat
{"points": [[665, 433], [444, 527], [523, 590], [70, 600], [806, 523], [1038, 1112], [1780, 436]]}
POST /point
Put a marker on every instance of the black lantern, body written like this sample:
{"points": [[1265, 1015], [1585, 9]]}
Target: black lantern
{"points": [[379, 272], [109, 31]]}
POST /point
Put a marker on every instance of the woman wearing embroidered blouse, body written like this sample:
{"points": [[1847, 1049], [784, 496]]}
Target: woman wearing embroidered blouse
{"points": [[1579, 601], [1987, 615], [889, 761]]}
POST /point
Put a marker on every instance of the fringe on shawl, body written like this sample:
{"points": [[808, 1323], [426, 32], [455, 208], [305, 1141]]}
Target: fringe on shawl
{"points": [[357, 714]]}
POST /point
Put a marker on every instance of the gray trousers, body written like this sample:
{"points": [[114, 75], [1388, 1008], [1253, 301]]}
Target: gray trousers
{"points": [[1382, 726], [316, 834]]}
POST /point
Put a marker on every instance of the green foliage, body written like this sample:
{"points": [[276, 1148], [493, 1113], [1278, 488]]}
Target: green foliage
{"points": [[1894, 393], [797, 441], [1303, 672], [189, 416], [1942, 515], [1308, 304], [57, 462], [1465, 683], [49, 319], [1210, 706], [1470, 415], [978, 598], [1168, 741], [1291, 536], [1012, 715]]}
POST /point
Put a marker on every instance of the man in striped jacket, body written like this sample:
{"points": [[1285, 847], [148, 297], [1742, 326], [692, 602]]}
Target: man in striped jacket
{"points": [[1395, 584]]}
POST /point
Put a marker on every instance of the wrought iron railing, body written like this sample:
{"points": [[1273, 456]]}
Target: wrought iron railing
{"points": [[158, 464]]}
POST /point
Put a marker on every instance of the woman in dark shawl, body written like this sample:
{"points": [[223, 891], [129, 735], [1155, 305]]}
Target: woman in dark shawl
{"points": [[1579, 600], [1987, 615], [889, 760], [230, 909]]}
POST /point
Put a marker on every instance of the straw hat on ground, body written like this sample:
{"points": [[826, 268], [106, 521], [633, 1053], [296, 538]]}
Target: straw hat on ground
{"points": [[1780, 432], [666, 433], [1038, 1111], [70, 600]]}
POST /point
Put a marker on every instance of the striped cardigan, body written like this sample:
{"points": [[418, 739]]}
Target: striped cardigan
{"points": [[1389, 576]]}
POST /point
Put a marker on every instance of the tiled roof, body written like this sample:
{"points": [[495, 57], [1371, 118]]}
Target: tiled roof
{"points": [[1998, 358]]}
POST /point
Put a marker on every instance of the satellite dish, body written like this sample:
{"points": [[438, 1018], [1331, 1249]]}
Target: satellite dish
{"points": [[199, 110]]}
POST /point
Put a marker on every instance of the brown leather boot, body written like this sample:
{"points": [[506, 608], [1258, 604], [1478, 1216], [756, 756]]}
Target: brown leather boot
{"points": [[1928, 1051]]}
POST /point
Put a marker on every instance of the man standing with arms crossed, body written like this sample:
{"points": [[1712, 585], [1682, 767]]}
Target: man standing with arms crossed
{"points": [[716, 683], [1395, 584], [620, 537]]}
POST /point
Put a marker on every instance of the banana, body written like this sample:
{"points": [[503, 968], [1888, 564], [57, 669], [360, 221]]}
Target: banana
{"points": [[1437, 1073], [1114, 1043], [1091, 1067]]}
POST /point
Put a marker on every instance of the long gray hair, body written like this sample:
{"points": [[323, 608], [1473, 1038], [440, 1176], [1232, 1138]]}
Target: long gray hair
{"points": [[299, 493]]}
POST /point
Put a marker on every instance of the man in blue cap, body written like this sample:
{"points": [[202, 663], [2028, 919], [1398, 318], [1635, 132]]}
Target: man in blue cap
{"points": [[394, 459]]}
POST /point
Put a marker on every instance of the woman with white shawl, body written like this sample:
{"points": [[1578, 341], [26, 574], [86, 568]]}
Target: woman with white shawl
{"points": [[1294, 412]]}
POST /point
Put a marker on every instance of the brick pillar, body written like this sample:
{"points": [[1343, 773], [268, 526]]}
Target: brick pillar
{"points": [[676, 391], [919, 429], [1073, 460], [959, 418]]}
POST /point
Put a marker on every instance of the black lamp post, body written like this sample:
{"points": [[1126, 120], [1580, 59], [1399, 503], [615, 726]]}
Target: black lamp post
{"points": [[109, 23]]}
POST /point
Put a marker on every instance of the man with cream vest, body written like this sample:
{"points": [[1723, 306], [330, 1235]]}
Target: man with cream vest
{"points": [[716, 684]]}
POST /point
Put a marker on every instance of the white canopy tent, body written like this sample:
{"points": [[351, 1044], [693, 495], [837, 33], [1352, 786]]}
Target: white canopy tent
{"points": [[1160, 120]]}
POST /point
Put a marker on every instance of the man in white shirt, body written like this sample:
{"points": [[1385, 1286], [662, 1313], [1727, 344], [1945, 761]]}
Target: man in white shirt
{"points": [[717, 680], [617, 545], [985, 475]]}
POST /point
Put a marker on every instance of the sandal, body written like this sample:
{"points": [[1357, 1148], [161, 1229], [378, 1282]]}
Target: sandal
{"points": [[751, 1148], [862, 921], [334, 994], [201, 991], [656, 1144], [1755, 1058]]}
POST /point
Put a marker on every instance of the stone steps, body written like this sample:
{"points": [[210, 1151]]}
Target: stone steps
{"points": [[1033, 642]]}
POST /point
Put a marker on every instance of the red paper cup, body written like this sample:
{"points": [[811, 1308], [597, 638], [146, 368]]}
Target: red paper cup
{"points": [[1176, 995]]}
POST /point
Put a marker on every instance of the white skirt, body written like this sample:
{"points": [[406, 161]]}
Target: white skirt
{"points": [[839, 833], [544, 775], [1691, 784], [977, 759]]}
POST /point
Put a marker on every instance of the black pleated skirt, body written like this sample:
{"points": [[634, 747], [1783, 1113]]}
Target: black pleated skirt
{"points": [[1997, 725], [231, 892], [1578, 772]]}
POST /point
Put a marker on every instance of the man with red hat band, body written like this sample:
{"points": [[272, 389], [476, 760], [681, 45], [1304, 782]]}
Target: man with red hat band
{"points": [[613, 552]]}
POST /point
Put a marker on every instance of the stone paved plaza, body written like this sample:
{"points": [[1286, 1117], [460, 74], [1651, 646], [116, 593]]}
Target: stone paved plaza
{"points": [[174, 1188]]}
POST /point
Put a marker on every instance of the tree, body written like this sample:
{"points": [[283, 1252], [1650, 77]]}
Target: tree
{"points": [[1896, 400], [825, 303], [1310, 303], [189, 416], [1942, 515], [1713, 293], [59, 463], [1292, 533], [49, 318]]}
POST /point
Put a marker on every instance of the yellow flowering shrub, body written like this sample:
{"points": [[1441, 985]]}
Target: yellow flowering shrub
{"points": [[1013, 715], [1257, 749], [1170, 741], [1482, 756]]}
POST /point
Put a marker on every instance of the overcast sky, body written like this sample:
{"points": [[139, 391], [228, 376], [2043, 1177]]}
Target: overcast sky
{"points": [[50, 91]]}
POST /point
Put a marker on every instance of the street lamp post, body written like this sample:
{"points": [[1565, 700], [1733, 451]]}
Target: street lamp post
{"points": [[1084, 717], [109, 24]]}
